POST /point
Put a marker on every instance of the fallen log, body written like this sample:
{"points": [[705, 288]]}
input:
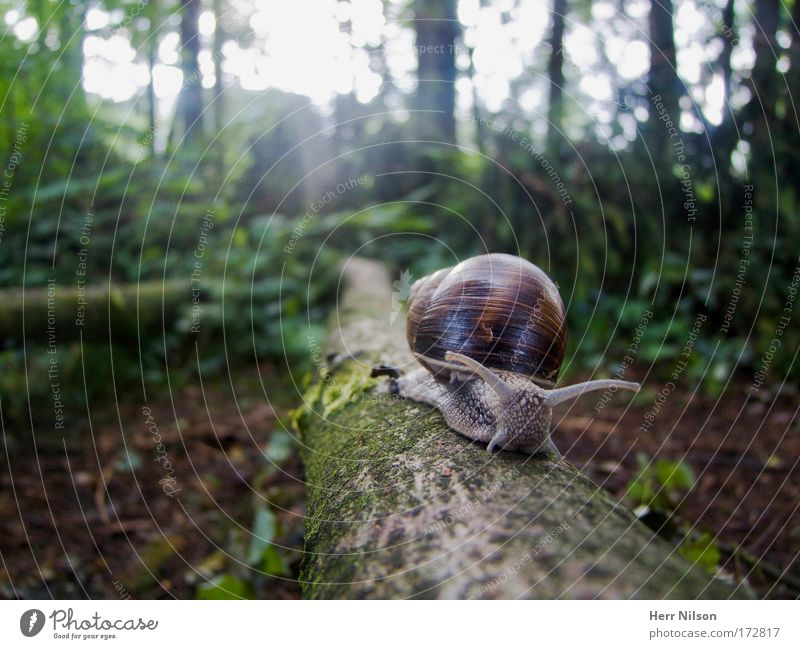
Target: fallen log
{"points": [[400, 506], [131, 309]]}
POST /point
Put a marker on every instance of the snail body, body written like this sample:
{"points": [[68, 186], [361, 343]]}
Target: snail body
{"points": [[490, 334]]}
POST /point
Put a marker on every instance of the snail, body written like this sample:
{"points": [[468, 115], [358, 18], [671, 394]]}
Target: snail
{"points": [[490, 334]]}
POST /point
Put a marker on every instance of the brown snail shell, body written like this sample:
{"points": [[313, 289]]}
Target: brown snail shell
{"points": [[498, 309]]}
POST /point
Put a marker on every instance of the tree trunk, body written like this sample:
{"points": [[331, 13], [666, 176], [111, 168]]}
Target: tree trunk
{"points": [[724, 136], [760, 110], [555, 73], [794, 59], [790, 124], [344, 113], [663, 80], [764, 77], [727, 32], [134, 309], [401, 506], [437, 27], [477, 118], [152, 105], [219, 87], [191, 97]]}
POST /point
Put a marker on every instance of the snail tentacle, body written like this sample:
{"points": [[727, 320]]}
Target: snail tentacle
{"points": [[559, 395], [504, 393], [501, 437], [498, 318]]}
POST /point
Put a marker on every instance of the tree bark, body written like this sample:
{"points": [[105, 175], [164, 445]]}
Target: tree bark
{"points": [[555, 73], [790, 124], [794, 55], [725, 135], [760, 111], [152, 105], [663, 80], [437, 27], [727, 32], [477, 118], [133, 309], [219, 86], [764, 76], [400, 506], [191, 97]]}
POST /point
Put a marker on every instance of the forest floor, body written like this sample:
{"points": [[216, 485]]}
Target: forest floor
{"points": [[100, 521], [746, 462], [86, 519]]}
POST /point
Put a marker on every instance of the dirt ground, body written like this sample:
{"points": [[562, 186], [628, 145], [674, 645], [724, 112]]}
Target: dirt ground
{"points": [[745, 455], [84, 518], [102, 525]]}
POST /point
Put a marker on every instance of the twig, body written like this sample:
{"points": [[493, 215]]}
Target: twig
{"points": [[756, 562]]}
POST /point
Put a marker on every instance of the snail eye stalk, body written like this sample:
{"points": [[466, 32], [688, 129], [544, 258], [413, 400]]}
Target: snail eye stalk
{"points": [[504, 393]]}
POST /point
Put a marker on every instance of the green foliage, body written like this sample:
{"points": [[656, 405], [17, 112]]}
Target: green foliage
{"points": [[279, 449], [660, 485], [618, 243], [224, 587], [86, 374], [261, 553], [702, 550], [255, 556], [657, 493]]}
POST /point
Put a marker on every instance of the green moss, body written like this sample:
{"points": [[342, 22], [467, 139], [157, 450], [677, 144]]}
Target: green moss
{"points": [[399, 505], [299, 416], [382, 471], [345, 388], [337, 423], [328, 397]]}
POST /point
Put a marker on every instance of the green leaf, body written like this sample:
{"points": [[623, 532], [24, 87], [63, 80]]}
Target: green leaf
{"points": [[675, 474], [224, 587], [279, 448], [262, 534], [640, 491], [702, 551], [239, 237], [273, 563]]}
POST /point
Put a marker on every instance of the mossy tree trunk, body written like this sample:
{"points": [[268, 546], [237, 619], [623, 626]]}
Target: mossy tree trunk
{"points": [[126, 310], [400, 506]]}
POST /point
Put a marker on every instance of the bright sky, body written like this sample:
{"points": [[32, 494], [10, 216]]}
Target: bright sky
{"points": [[299, 47]]}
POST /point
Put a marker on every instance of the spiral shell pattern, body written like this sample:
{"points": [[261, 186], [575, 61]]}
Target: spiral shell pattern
{"points": [[501, 310]]}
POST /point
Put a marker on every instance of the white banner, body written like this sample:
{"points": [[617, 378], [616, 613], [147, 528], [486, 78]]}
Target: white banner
{"points": [[400, 624]]}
